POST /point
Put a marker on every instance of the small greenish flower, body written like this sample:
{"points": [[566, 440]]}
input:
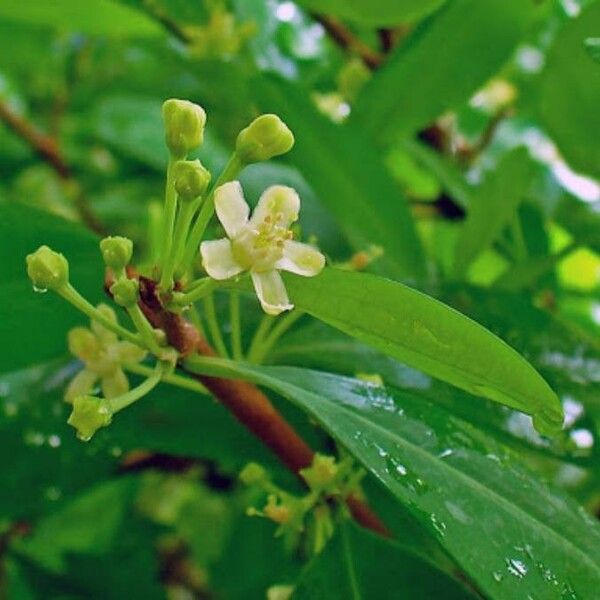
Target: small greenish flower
{"points": [[103, 355], [191, 179], [321, 474], [267, 136], [47, 269], [116, 252], [89, 414], [261, 244], [184, 126]]}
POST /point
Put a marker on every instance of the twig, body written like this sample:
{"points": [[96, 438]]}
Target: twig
{"points": [[344, 38], [47, 149], [244, 400], [45, 146]]}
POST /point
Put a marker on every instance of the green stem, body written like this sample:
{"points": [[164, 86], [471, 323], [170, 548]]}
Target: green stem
{"points": [[172, 379], [121, 402], [196, 320], [145, 329], [168, 221], [198, 290], [213, 325], [69, 293], [236, 329], [259, 336], [184, 218], [279, 329], [231, 171]]}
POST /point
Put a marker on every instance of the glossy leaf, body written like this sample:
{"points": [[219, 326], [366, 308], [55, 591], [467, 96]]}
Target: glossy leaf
{"points": [[441, 64], [569, 91], [379, 13], [427, 335], [344, 170], [493, 205], [40, 321], [359, 565], [459, 483], [98, 17]]}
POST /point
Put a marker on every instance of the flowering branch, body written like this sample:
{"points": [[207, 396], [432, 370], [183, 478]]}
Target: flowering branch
{"points": [[244, 400]]}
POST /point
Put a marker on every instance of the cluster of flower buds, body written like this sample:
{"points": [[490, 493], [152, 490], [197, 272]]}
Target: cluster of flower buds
{"points": [[261, 245], [308, 520]]}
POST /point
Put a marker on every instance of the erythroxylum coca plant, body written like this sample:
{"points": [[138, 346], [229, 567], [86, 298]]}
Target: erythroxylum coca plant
{"points": [[172, 315]]}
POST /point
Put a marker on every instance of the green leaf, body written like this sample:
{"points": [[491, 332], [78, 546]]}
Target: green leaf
{"points": [[427, 335], [511, 533], [87, 525], [96, 17], [40, 321], [441, 65], [344, 170], [493, 206], [46, 458], [377, 13], [569, 90], [347, 569]]}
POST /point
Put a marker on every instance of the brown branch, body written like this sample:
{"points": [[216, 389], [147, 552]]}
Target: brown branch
{"points": [[245, 401], [44, 146], [47, 149], [344, 38]]}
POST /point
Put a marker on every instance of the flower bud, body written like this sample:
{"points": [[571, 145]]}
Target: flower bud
{"points": [[191, 179], [116, 252], [253, 474], [89, 414], [267, 136], [125, 292], [48, 270], [184, 126]]}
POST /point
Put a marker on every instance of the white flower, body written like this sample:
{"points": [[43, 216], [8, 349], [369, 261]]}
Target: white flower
{"points": [[261, 244]]}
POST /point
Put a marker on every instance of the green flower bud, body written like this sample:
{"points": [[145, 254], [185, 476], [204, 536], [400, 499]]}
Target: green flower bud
{"points": [[253, 474], [267, 136], [48, 270], [116, 252], [184, 126], [191, 179], [89, 414], [125, 292]]}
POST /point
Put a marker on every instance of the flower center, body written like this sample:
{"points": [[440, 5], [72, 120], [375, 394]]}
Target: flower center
{"points": [[261, 247]]}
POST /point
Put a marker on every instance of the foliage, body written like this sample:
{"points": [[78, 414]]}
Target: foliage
{"points": [[444, 366]]}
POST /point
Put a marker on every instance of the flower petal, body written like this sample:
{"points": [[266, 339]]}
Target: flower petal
{"points": [[106, 336], [84, 344], [115, 384], [231, 207], [301, 259], [271, 292], [129, 353], [277, 202], [81, 385], [218, 260]]}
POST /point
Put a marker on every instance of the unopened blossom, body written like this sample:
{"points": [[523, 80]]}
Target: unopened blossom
{"points": [[103, 355], [261, 244]]}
